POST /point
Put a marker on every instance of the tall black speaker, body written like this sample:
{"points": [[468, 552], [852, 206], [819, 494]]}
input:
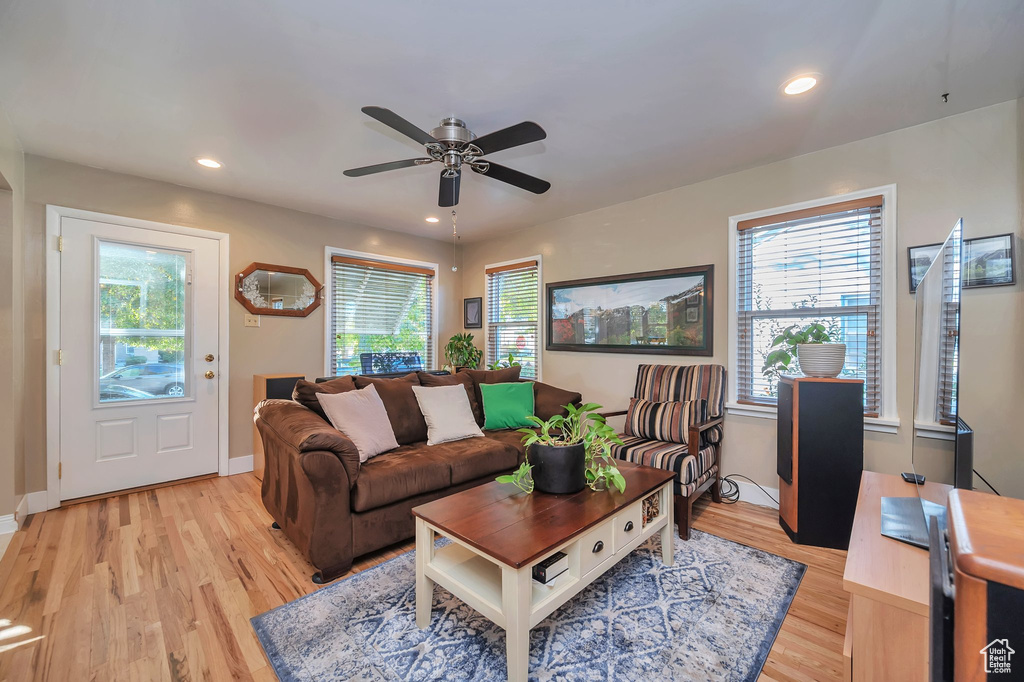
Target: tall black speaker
{"points": [[820, 458]]}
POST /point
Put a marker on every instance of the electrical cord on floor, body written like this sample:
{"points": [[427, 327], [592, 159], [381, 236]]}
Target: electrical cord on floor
{"points": [[731, 489], [986, 482]]}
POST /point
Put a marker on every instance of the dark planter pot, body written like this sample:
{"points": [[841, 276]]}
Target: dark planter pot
{"points": [[558, 469]]}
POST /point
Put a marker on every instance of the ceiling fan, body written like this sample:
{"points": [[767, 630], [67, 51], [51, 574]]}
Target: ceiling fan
{"points": [[455, 145]]}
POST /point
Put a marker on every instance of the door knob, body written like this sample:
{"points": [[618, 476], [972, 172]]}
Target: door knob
{"points": [[209, 374], [209, 357]]}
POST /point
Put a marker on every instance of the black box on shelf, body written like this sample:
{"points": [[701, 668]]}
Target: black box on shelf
{"points": [[552, 567]]}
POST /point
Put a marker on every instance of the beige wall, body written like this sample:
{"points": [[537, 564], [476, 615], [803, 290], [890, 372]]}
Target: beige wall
{"points": [[258, 232], [12, 370], [968, 165]]}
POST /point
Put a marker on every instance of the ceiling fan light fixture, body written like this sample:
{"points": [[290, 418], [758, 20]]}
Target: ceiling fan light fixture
{"points": [[800, 84]]}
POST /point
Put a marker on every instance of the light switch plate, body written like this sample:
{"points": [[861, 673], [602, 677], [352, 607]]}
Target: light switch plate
{"points": [[252, 320]]}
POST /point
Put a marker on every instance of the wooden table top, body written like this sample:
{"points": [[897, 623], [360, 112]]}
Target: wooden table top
{"points": [[882, 568], [515, 528]]}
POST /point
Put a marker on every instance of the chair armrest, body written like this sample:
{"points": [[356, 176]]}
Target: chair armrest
{"points": [[693, 442], [617, 413], [302, 429]]}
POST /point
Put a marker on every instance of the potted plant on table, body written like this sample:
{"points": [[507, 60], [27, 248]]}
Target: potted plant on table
{"points": [[811, 346], [460, 352], [568, 453]]}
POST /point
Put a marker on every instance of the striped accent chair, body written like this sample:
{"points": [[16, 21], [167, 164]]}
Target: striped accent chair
{"points": [[697, 462]]}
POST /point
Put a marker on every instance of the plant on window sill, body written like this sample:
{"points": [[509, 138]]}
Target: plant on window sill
{"points": [[504, 364], [460, 352]]}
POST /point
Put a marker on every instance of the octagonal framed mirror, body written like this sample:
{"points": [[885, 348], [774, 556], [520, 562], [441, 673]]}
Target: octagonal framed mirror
{"points": [[266, 289]]}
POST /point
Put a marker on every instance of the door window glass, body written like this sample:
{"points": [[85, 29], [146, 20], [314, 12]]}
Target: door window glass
{"points": [[142, 312]]}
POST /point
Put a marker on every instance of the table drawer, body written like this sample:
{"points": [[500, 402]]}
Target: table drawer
{"points": [[596, 546], [626, 526]]}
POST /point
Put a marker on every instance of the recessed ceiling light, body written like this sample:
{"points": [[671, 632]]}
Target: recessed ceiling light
{"points": [[432, 219], [209, 163], [800, 84]]}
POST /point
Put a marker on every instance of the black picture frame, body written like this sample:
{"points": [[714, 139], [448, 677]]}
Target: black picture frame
{"points": [[696, 292], [989, 262], [473, 312], [918, 260]]}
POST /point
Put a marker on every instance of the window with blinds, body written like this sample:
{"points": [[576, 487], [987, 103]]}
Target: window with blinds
{"points": [[513, 314], [815, 265], [381, 317]]}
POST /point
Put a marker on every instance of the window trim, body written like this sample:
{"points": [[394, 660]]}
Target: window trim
{"points": [[888, 420], [330, 251], [540, 308]]}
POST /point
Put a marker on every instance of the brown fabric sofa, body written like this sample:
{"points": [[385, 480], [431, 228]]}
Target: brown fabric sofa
{"points": [[333, 508]]}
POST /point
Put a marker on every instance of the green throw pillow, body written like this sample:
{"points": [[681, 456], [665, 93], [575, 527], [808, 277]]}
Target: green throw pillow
{"points": [[506, 406]]}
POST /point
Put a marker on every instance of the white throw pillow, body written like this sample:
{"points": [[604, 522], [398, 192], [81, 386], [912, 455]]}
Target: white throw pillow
{"points": [[447, 413], [361, 416]]}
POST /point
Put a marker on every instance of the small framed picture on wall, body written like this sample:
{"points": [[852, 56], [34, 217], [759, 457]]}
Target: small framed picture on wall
{"points": [[920, 258], [989, 261], [473, 312]]}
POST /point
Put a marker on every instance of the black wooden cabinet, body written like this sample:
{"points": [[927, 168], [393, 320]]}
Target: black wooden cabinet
{"points": [[820, 458]]}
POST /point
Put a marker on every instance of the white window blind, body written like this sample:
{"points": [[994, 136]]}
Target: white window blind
{"points": [[513, 314], [814, 265], [949, 342], [381, 317]]}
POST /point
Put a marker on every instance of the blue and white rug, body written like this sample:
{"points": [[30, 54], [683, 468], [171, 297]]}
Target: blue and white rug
{"points": [[712, 616]]}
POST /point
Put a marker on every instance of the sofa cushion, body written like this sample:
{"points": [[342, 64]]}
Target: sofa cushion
{"points": [[447, 413], [490, 376], [409, 470], [305, 392], [550, 400], [511, 438], [400, 403], [360, 415], [476, 457], [460, 379], [507, 406]]}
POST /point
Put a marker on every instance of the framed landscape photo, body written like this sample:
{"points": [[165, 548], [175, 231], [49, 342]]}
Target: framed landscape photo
{"points": [[664, 311], [919, 258], [473, 312], [988, 261]]}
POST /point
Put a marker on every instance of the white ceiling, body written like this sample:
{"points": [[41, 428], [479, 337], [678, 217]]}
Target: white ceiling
{"points": [[636, 97]]}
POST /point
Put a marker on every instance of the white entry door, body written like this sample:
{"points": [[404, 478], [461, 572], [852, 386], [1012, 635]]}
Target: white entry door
{"points": [[139, 377]]}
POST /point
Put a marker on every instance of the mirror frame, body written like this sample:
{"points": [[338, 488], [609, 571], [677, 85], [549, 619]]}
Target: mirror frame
{"points": [[253, 267]]}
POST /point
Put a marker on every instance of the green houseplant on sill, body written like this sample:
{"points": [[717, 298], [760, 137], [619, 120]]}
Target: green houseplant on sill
{"points": [[504, 364], [460, 352], [811, 346], [568, 454]]}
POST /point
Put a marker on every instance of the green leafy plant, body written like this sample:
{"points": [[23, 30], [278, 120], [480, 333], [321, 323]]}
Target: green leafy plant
{"points": [[504, 364], [582, 425], [784, 346], [460, 352], [520, 478]]}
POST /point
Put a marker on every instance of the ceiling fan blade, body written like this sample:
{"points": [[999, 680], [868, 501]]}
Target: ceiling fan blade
{"points": [[448, 193], [514, 177], [393, 120], [513, 136], [381, 167]]}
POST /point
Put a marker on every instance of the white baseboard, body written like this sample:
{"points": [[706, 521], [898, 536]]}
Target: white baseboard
{"points": [[239, 465], [752, 494], [8, 524], [21, 511], [37, 502]]}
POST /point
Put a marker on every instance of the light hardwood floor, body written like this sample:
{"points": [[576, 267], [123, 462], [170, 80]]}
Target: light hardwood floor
{"points": [[160, 585]]}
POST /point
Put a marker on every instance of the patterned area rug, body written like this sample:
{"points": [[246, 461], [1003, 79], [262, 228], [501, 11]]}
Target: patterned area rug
{"points": [[712, 616]]}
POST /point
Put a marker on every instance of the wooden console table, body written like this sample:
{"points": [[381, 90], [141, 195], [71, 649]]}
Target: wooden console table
{"points": [[888, 582]]}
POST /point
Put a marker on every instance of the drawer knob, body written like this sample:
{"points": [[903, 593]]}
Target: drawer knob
{"points": [[629, 526], [598, 546]]}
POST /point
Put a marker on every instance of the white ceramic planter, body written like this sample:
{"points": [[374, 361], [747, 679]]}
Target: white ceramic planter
{"points": [[823, 360]]}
